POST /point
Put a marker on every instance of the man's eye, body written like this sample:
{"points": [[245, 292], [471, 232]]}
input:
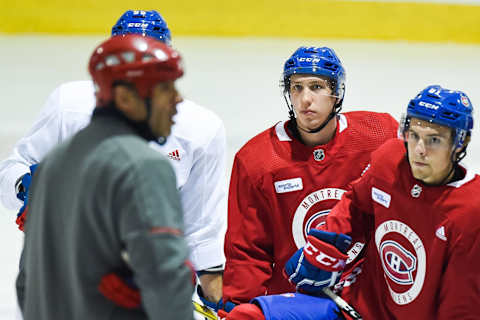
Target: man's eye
{"points": [[435, 140]]}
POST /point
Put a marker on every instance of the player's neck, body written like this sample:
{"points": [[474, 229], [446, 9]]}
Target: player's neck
{"points": [[324, 136]]}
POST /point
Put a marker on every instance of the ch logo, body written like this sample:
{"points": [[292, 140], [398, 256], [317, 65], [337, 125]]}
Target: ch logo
{"points": [[404, 260], [398, 263]]}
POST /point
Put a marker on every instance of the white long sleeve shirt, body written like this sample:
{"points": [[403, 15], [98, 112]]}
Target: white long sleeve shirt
{"points": [[196, 149]]}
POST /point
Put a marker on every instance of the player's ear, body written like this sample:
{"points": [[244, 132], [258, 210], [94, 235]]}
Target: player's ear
{"points": [[129, 102], [464, 146], [123, 97]]}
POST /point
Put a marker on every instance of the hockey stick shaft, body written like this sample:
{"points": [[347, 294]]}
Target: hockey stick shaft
{"points": [[204, 311], [342, 304]]}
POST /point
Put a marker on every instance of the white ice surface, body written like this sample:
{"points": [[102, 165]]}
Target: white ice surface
{"points": [[237, 78]]}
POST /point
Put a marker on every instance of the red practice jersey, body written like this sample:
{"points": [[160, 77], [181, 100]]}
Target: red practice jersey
{"points": [[423, 247], [281, 188]]}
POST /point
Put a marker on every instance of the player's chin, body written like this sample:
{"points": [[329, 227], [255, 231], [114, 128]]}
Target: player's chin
{"points": [[310, 124], [420, 173], [165, 130]]}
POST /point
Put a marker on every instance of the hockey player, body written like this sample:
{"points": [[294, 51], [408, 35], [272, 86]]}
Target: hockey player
{"points": [[104, 200], [196, 149], [286, 180], [418, 208]]}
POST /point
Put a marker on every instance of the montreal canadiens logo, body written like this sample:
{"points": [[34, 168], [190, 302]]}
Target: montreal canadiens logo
{"points": [[315, 221], [307, 216], [403, 260], [398, 263]]}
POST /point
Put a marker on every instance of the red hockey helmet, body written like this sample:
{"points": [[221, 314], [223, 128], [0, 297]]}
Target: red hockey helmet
{"points": [[136, 59]]}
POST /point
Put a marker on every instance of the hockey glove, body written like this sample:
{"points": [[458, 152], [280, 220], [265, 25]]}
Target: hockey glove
{"points": [[22, 194], [319, 263], [120, 290]]}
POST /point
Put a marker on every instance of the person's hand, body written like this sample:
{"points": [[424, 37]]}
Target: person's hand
{"points": [[23, 194], [319, 263]]}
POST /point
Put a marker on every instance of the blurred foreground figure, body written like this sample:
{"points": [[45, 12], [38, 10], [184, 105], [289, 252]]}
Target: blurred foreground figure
{"points": [[104, 201], [196, 149]]}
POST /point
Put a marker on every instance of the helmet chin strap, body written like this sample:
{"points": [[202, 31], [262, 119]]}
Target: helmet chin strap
{"points": [[332, 114], [335, 110], [455, 157]]}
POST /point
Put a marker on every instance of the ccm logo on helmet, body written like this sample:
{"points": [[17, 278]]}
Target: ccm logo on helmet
{"points": [[314, 60], [137, 25], [428, 105]]}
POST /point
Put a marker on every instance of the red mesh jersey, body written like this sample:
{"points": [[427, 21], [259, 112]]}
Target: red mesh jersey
{"points": [[423, 241], [280, 188]]}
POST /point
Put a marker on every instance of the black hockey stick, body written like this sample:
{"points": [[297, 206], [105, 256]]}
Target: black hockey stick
{"points": [[342, 304]]}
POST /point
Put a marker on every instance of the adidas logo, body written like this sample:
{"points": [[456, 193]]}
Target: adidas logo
{"points": [[440, 233], [174, 155]]}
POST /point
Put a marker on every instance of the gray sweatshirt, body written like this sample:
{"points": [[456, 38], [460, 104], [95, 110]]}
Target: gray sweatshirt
{"points": [[95, 197]]}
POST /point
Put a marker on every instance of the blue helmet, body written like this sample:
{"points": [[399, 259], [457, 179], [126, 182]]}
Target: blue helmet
{"points": [[320, 61], [147, 23], [450, 108]]}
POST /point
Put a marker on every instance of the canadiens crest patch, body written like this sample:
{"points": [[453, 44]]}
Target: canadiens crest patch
{"points": [[398, 262], [309, 213], [403, 257]]}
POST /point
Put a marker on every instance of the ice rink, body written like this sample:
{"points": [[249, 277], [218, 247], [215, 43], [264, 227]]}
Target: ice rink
{"points": [[236, 78]]}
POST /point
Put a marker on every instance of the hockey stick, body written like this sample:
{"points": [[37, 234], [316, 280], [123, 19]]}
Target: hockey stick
{"points": [[342, 304], [204, 311]]}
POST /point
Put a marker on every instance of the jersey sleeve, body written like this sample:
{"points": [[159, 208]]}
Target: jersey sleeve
{"points": [[204, 200], [460, 288], [352, 214], [248, 244], [151, 229], [30, 149], [66, 111]]}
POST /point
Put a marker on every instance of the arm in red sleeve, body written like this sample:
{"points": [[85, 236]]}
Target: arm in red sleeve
{"points": [[459, 292], [248, 241], [352, 215]]}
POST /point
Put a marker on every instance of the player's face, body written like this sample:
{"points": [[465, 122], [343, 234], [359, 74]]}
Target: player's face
{"points": [[164, 106], [429, 151], [312, 100]]}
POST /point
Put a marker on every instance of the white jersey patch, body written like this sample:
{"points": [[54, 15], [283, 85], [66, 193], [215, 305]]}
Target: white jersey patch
{"points": [[381, 197], [289, 185]]}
